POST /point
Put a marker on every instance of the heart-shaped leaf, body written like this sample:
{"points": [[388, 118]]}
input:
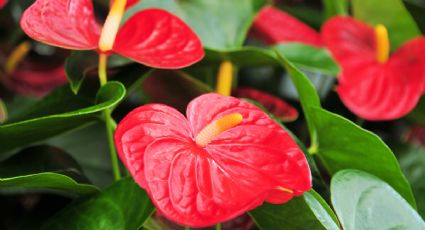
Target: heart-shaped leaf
{"points": [[122, 206], [59, 112], [44, 167], [309, 211], [363, 201], [393, 14], [77, 66]]}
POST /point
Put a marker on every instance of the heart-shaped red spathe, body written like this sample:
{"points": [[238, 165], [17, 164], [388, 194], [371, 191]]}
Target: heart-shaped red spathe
{"points": [[373, 90], [2, 3], [201, 186], [153, 37], [275, 26], [69, 24]]}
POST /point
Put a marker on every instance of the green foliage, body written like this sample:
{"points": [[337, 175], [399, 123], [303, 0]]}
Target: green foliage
{"points": [[78, 65], [44, 167], [309, 211], [124, 205], [363, 201], [61, 111]]}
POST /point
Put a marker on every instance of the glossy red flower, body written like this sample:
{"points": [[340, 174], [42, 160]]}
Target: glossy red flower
{"points": [[275, 26], [2, 3], [373, 85], [226, 158], [152, 37], [279, 108]]}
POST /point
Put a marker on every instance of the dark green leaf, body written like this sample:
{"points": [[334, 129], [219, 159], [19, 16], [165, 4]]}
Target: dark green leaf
{"points": [[221, 24], [46, 168], [418, 114], [61, 111], [307, 13], [124, 206], [363, 201], [309, 211], [344, 145], [412, 162], [173, 88], [242, 57], [393, 14], [78, 65], [317, 60], [418, 13]]}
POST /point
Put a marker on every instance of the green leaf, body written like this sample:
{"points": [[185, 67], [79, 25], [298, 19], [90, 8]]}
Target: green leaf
{"points": [[344, 145], [61, 111], [239, 57], [417, 11], [412, 162], [363, 201], [3, 112], [124, 205], [221, 24], [173, 88], [46, 168], [78, 65], [317, 60], [393, 14], [309, 211], [335, 7], [306, 91]]}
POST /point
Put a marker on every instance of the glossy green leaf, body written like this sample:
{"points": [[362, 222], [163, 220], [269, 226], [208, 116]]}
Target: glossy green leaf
{"points": [[344, 145], [78, 65], [173, 88], [393, 14], [412, 162], [306, 91], [44, 167], [241, 57], [61, 111], [122, 206], [309, 211], [417, 10], [363, 201], [307, 13], [221, 24], [317, 60]]}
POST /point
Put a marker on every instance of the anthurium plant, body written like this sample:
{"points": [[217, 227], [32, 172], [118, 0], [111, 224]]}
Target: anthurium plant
{"points": [[165, 114]]}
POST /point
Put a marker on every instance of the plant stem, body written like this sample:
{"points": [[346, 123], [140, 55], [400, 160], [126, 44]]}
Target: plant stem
{"points": [[103, 61], [110, 123], [218, 227]]}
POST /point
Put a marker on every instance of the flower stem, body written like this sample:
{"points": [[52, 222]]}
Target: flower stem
{"points": [[110, 123], [218, 227], [103, 61]]}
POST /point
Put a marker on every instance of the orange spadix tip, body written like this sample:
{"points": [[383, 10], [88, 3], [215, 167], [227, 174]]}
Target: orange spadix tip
{"points": [[19, 53], [225, 78], [285, 189], [215, 128], [111, 26], [382, 43]]}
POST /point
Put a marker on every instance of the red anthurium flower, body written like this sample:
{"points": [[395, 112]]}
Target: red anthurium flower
{"points": [[32, 74], [373, 85], [2, 3], [275, 26], [225, 158], [152, 37], [279, 108]]}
